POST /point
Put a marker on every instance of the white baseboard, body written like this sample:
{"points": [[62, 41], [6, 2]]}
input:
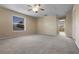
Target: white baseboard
{"points": [[5, 38]]}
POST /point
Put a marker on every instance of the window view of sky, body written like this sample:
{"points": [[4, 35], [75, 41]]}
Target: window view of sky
{"points": [[17, 19]]}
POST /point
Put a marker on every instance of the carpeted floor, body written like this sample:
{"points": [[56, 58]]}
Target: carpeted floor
{"points": [[38, 44]]}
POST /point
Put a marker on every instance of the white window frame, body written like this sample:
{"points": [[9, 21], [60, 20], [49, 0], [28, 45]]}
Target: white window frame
{"points": [[24, 24]]}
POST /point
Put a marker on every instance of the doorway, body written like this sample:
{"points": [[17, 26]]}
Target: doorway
{"points": [[61, 27]]}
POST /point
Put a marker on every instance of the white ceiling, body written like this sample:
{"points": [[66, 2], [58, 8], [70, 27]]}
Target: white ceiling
{"points": [[59, 10]]}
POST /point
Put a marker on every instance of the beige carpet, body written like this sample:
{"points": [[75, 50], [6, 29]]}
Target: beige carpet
{"points": [[38, 44]]}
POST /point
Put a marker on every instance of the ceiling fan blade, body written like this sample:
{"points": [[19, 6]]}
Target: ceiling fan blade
{"points": [[39, 4], [42, 9], [29, 5], [35, 4], [45, 15], [36, 11], [29, 9]]}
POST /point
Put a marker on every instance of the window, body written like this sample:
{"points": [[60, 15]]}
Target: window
{"points": [[18, 23]]}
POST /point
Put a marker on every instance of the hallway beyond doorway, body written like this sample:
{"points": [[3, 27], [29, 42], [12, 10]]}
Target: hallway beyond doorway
{"points": [[62, 33]]}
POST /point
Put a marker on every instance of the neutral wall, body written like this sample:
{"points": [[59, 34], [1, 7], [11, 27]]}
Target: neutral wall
{"points": [[43, 25], [68, 24], [75, 26], [6, 27], [47, 25]]}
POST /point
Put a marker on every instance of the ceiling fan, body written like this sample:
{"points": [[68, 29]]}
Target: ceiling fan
{"points": [[35, 8]]}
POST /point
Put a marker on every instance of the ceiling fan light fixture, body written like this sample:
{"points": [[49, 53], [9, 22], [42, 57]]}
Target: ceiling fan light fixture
{"points": [[35, 8]]}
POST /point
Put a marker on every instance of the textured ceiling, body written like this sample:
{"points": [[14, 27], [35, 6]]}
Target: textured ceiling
{"points": [[59, 10]]}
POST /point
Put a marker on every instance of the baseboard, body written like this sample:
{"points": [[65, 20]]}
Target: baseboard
{"points": [[47, 34], [6, 38], [14, 36]]}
